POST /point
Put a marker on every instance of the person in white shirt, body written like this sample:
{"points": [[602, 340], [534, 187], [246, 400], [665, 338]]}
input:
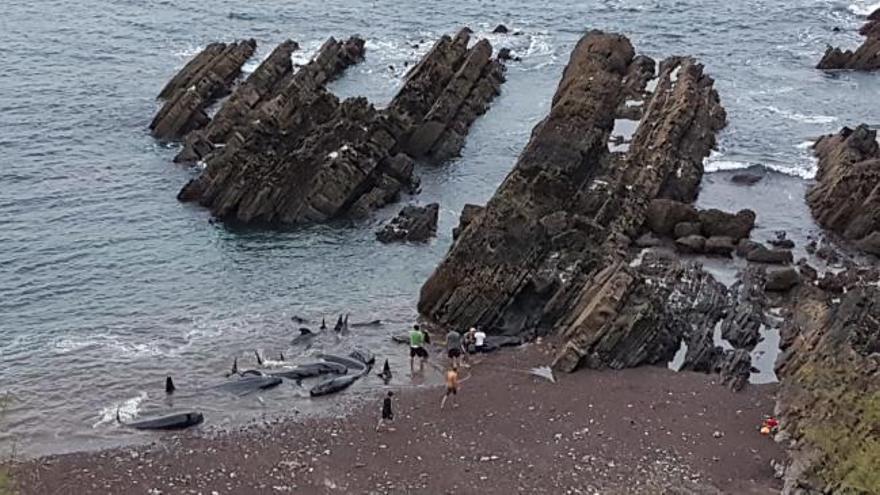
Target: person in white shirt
{"points": [[479, 340]]}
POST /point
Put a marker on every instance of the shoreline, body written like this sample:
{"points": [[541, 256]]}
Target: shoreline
{"points": [[507, 430]]}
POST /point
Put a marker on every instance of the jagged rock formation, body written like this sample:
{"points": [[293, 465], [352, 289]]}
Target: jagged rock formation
{"points": [[300, 155], [548, 251], [829, 396], [207, 77], [412, 224], [846, 196], [866, 57], [266, 89]]}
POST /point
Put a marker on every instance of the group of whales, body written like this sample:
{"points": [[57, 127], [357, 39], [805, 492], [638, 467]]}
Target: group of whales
{"points": [[343, 371]]}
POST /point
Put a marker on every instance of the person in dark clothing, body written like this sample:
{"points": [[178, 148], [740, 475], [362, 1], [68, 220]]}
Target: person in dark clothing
{"points": [[387, 411]]}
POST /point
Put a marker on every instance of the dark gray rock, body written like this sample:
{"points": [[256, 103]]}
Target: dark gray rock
{"points": [[772, 256], [782, 280], [694, 244], [412, 224], [684, 229], [720, 246], [719, 223]]}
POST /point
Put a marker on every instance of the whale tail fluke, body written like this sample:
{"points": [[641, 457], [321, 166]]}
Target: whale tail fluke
{"points": [[169, 385], [323, 323], [118, 417], [281, 356], [339, 324], [259, 358]]}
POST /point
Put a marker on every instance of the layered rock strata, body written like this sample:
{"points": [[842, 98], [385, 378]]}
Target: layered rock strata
{"points": [[207, 77], [828, 401], [846, 196], [303, 156], [548, 252]]}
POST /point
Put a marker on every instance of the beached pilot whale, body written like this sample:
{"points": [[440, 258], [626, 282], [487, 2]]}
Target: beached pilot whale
{"points": [[351, 363], [176, 421], [249, 384], [333, 385], [311, 370]]}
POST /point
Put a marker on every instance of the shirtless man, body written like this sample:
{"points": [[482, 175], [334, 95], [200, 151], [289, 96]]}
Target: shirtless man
{"points": [[453, 348], [451, 385]]}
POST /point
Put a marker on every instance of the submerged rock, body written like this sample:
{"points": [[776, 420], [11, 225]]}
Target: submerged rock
{"points": [[548, 252], [412, 224], [865, 58], [846, 196]]}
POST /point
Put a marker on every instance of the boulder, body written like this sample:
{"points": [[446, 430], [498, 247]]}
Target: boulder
{"points": [[746, 246], [846, 195], [684, 229], [719, 223], [500, 29], [506, 54], [549, 251], [664, 214], [865, 58], [207, 77], [648, 240], [693, 244], [762, 254], [782, 280], [719, 246], [412, 224]]}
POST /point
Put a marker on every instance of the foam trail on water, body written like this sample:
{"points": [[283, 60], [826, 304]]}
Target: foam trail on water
{"points": [[799, 117], [128, 410], [715, 163]]}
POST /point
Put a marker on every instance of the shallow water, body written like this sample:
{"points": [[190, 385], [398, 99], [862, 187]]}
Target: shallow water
{"points": [[107, 283]]}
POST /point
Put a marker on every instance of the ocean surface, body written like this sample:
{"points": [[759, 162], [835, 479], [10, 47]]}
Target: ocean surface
{"points": [[108, 284]]}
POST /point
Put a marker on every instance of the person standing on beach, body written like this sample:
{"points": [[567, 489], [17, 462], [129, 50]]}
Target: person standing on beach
{"points": [[417, 348], [453, 348], [451, 385], [480, 340], [387, 412]]}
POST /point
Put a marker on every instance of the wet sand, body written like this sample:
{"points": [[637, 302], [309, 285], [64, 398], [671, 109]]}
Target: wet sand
{"points": [[647, 430]]}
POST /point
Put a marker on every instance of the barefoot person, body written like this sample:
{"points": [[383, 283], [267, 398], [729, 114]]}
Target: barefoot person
{"points": [[451, 385], [453, 348], [387, 412], [417, 348]]}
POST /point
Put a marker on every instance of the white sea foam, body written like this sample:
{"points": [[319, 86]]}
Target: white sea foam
{"points": [[127, 410], [805, 145], [863, 8], [799, 117], [716, 163]]}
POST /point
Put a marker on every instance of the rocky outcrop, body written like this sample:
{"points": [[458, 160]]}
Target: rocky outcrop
{"points": [[865, 58], [207, 77], [258, 97], [846, 196], [468, 213], [412, 224], [303, 156], [444, 95], [711, 232], [548, 252], [828, 400]]}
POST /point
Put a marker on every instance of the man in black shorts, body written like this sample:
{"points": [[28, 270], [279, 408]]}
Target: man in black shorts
{"points": [[417, 340], [387, 412], [453, 348]]}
